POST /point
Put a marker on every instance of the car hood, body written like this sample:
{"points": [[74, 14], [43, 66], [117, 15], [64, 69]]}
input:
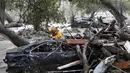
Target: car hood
{"points": [[18, 49]]}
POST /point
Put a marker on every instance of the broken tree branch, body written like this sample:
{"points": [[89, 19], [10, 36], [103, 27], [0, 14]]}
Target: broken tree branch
{"points": [[85, 61], [13, 24], [79, 52], [118, 69]]}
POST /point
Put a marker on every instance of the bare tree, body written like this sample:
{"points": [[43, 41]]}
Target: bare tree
{"points": [[2, 10], [119, 16], [14, 38]]}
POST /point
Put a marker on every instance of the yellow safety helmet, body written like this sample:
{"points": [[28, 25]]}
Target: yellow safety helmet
{"points": [[52, 29]]}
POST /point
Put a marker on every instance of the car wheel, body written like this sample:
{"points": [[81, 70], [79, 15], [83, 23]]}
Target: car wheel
{"points": [[31, 69]]}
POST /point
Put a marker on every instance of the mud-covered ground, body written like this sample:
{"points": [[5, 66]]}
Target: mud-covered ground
{"points": [[4, 45]]}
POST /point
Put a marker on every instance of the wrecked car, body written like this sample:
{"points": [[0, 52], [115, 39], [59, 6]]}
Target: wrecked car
{"points": [[40, 57]]}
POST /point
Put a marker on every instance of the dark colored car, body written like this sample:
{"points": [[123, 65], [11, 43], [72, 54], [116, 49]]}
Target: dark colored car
{"points": [[40, 57], [81, 22]]}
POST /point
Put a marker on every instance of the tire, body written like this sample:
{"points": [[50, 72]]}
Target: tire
{"points": [[31, 69]]}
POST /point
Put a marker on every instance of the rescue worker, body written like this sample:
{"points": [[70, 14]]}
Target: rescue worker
{"points": [[55, 33]]}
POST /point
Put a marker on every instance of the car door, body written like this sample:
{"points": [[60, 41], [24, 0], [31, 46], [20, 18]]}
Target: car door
{"points": [[43, 54], [50, 55]]}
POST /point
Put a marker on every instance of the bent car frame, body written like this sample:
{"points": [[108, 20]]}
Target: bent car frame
{"points": [[40, 57]]}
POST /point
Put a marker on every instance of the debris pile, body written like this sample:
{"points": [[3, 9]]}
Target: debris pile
{"points": [[107, 51]]}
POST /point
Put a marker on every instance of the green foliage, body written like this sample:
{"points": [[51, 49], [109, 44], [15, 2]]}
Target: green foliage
{"points": [[89, 5], [37, 11]]}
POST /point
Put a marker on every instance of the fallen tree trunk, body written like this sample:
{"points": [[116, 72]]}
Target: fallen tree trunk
{"points": [[14, 38], [11, 21], [8, 17], [13, 24]]}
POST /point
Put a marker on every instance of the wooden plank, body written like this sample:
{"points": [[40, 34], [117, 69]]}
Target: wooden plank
{"points": [[123, 65], [76, 41], [69, 65]]}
